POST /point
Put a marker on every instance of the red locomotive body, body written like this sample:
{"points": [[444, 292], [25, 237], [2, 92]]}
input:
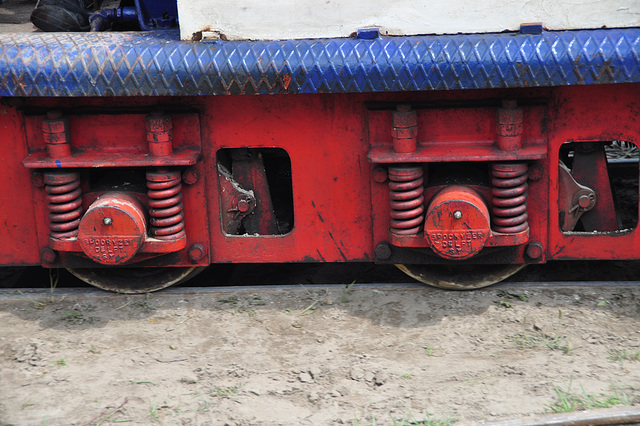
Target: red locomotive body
{"points": [[443, 183]]}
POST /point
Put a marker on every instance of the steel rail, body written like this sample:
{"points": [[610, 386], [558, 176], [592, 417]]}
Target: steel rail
{"points": [[244, 289], [609, 416]]}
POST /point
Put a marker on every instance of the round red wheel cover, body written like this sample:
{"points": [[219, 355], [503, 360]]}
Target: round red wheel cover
{"points": [[113, 228], [457, 224]]}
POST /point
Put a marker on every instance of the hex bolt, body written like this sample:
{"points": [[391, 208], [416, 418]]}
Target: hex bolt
{"points": [[190, 176], [380, 174], [383, 251], [107, 221], [196, 252], [534, 250], [48, 256], [457, 214]]}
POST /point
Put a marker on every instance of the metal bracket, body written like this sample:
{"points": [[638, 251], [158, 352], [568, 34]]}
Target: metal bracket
{"points": [[574, 199], [237, 202]]}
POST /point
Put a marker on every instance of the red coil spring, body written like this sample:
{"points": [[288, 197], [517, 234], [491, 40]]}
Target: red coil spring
{"points": [[165, 205], [509, 197], [407, 199], [64, 198]]}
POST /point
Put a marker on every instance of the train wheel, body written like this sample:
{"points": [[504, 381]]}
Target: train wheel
{"points": [[460, 277], [135, 280]]}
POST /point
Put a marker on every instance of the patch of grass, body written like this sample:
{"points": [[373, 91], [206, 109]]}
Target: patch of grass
{"points": [[232, 300], [504, 304], [428, 420], [320, 299], [344, 297], [621, 355], [153, 413], [507, 295], [54, 278], [224, 391], [248, 311], [529, 341], [73, 317], [429, 351], [257, 301], [203, 405], [406, 376], [568, 401], [145, 304]]}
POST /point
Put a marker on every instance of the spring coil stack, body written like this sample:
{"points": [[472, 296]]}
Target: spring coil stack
{"points": [[406, 184], [64, 197], [165, 204], [509, 204]]}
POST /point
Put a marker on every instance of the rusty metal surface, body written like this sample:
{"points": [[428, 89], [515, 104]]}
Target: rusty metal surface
{"points": [[142, 64]]}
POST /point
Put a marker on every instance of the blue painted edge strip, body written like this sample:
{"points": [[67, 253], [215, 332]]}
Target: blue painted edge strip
{"points": [[158, 64]]}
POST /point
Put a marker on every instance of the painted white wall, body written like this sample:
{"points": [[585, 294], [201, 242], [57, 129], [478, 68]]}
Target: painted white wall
{"points": [[295, 19]]}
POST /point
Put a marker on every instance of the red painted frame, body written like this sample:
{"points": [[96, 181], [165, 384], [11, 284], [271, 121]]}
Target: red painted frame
{"points": [[341, 213]]}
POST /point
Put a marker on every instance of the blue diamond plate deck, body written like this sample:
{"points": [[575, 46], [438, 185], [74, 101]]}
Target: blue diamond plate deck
{"points": [[143, 64]]}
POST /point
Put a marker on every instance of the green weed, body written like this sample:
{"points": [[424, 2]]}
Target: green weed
{"points": [[224, 392], [557, 343], [568, 401], [621, 355], [344, 297], [153, 413], [506, 295], [233, 300]]}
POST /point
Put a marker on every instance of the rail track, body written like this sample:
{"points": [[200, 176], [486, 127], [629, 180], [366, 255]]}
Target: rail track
{"points": [[251, 278]]}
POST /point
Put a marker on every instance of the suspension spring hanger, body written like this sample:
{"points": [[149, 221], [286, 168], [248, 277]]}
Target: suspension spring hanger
{"points": [[164, 185], [509, 179], [406, 181], [64, 196]]}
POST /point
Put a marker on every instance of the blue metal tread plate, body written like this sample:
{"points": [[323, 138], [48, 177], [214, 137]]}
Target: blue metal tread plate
{"points": [[157, 63]]}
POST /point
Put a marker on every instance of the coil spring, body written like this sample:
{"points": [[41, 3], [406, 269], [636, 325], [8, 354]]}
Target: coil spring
{"points": [[165, 205], [509, 197], [407, 199], [64, 197]]}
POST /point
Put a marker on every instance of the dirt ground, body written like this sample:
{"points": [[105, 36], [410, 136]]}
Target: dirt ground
{"points": [[313, 355]]}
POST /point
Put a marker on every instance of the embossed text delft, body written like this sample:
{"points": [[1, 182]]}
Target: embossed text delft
{"points": [[459, 158]]}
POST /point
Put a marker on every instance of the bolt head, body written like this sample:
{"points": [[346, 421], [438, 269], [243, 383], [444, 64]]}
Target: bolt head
{"points": [[196, 252], [584, 201], [190, 176], [48, 256], [107, 221], [383, 251], [380, 174], [243, 206], [534, 250], [457, 214]]}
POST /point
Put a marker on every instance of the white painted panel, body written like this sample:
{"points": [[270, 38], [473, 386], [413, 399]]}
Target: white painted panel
{"points": [[295, 19]]}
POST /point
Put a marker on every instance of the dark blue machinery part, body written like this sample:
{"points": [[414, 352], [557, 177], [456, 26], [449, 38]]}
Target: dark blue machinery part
{"points": [[158, 63], [157, 14]]}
